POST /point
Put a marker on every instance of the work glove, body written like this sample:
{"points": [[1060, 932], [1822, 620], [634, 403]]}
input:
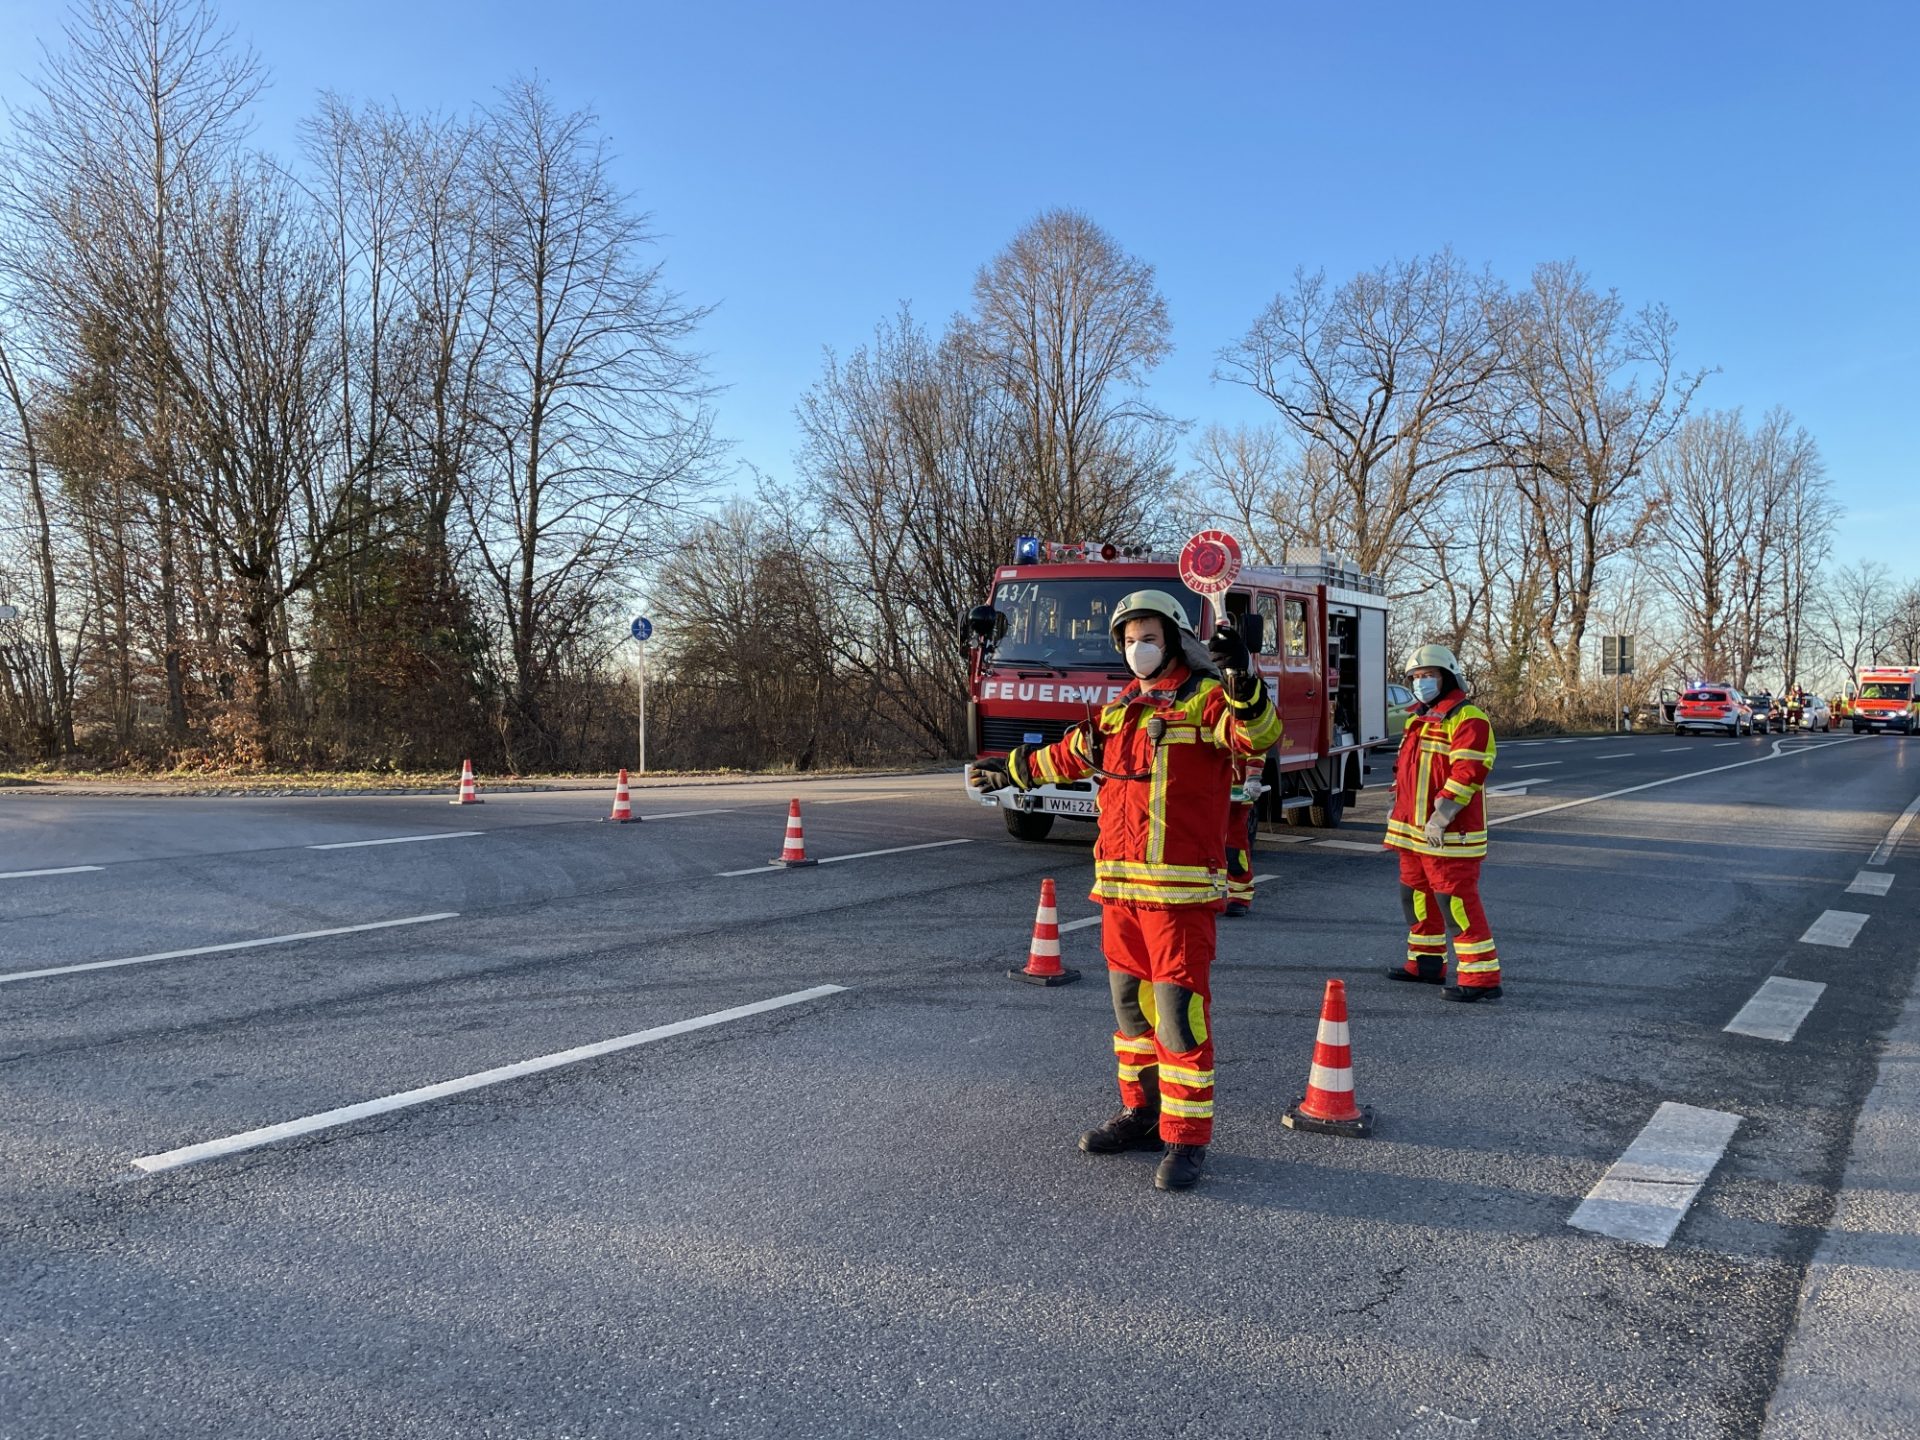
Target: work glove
{"points": [[987, 776], [1436, 832], [1229, 651]]}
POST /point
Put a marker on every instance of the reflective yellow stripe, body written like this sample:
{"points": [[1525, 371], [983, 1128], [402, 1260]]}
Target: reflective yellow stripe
{"points": [[1459, 790], [1186, 1109], [1458, 908], [1147, 895], [1132, 1072], [1473, 947], [1180, 1075], [1145, 870], [1477, 967], [1133, 1045]]}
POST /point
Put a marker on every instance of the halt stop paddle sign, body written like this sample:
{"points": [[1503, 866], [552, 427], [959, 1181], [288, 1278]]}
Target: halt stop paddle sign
{"points": [[1210, 562]]}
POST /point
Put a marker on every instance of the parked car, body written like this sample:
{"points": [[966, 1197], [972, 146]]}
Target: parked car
{"points": [[1713, 707], [1767, 717], [1399, 707], [1814, 714]]}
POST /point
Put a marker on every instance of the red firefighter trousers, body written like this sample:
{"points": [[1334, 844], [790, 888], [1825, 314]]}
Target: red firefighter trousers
{"points": [[1159, 969], [1437, 891]]}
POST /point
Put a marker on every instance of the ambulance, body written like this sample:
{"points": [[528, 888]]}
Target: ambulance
{"points": [[1883, 699], [1042, 661]]}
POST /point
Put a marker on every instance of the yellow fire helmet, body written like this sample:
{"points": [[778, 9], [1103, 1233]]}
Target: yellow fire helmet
{"points": [[1147, 602], [1433, 657]]}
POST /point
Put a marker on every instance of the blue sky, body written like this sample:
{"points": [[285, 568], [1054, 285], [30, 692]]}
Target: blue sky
{"points": [[1752, 165]]}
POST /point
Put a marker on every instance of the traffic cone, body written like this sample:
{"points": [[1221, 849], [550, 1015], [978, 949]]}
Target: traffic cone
{"points": [[622, 802], [468, 796], [794, 852], [1328, 1104], [1043, 955]]}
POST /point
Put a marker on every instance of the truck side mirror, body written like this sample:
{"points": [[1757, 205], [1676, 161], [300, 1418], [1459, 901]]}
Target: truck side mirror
{"points": [[983, 626], [1253, 631]]}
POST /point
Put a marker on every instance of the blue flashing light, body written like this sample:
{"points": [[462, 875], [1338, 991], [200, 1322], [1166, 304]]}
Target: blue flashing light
{"points": [[1026, 550]]}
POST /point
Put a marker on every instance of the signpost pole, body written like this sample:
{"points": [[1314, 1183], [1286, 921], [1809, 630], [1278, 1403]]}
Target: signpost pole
{"points": [[643, 708]]}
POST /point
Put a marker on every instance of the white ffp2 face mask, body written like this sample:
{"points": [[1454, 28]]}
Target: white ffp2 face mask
{"points": [[1143, 657]]}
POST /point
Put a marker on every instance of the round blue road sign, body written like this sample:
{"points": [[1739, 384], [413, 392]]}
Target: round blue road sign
{"points": [[642, 627]]}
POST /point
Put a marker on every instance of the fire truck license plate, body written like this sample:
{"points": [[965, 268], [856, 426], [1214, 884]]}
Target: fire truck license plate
{"points": [[1054, 805]]}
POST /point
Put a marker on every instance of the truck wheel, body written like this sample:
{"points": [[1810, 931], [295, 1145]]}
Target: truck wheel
{"points": [[1028, 824], [1326, 810], [1296, 817]]}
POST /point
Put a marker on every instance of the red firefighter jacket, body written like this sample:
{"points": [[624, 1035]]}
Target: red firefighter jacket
{"points": [[1162, 838], [1447, 752]]}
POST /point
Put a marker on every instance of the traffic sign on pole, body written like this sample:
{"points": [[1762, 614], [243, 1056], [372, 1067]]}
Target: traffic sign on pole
{"points": [[641, 629]]}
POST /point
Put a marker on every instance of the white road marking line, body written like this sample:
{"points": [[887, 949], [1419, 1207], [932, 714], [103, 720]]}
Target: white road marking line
{"points": [[1520, 787], [1776, 1009], [1288, 839], [1656, 784], [1539, 764], [1081, 924], [772, 866], [1617, 755], [1836, 928], [1647, 1192], [1262, 879], [1355, 845], [346, 1114], [61, 870], [856, 799], [687, 814], [395, 840], [1869, 882], [1884, 850], [7, 977], [1675, 749], [1723, 744]]}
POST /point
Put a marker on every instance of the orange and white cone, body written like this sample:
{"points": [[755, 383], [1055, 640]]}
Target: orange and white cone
{"points": [[622, 801], [468, 795], [794, 852], [1328, 1105], [1043, 953]]}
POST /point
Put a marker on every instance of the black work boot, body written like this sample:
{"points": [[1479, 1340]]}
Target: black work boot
{"points": [[1180, 1167], [1436, 975], [1135, 1128], [1470, 994]]}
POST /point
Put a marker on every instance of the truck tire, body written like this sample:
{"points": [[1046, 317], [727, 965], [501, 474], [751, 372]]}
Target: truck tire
{"points": [[1027, 824], [1326, 810]]}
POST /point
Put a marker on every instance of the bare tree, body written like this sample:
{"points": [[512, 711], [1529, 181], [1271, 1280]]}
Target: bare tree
{"points": [[1386, 382], [1851, 616], [1070, 326], [599, 431], [56, 719], [140, 111], [1597, 395]]}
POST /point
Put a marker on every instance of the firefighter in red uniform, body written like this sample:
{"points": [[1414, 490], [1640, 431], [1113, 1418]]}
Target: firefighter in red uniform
{"points": [[1240, 838], [1165, 752], [1439, 826]]}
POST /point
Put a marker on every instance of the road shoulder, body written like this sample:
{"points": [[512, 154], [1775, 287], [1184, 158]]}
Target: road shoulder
{"points": [[1848, 1370]]}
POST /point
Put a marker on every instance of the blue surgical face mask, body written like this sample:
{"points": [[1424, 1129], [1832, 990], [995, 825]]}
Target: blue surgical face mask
{"points": [[1426, 689]]}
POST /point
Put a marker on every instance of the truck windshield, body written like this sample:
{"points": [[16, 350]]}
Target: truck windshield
{"points": [[1064, 622], [1884, 690]]}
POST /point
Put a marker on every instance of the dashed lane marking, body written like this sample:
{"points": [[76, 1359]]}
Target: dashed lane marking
{"points": [[1836, 928], [1871, 882], [59, 870], [1647, 1192], [1080, 924], [346, 1114], [395, 840], [1520, 787], [9, 978], [1776, 1009], [1675, 749], [1617, 755], [856, 799], [1538, 765], [773, 865], [1355, 845], [1723, 744], [688, 814], [1883, 852]]}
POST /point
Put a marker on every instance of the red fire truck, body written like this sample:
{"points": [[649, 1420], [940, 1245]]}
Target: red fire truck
{"points": [[1042, 661]]}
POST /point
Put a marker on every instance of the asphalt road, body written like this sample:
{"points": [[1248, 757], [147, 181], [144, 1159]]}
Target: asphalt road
{"points": [[858, 1211]]}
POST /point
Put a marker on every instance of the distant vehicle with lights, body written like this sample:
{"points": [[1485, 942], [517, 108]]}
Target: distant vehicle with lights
{"points": [[1883, 699], [1705, 707], [1810, 712], [1043, 661], [1768, 715]]}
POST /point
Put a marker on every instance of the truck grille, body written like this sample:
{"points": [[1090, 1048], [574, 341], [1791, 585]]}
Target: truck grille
{"points": [[1003, 732]]}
